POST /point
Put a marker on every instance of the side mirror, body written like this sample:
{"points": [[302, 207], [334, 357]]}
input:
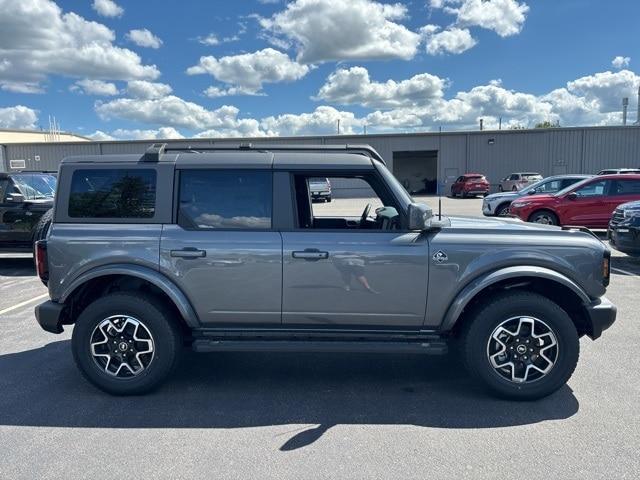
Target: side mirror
{"points": [[15, 198], [420, 216], [572, 196], [532, 192]]}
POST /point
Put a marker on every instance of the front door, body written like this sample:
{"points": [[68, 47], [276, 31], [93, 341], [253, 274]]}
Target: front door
{"points": [[223, 252], [590, 207], [344, 268]]}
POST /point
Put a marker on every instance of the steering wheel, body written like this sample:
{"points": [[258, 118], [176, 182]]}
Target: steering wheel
{"points": [[365, 215]]}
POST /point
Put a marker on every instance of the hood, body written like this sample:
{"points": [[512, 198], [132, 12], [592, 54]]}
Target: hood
{"points": [[504, 196], [498, 223], [635, 205], [540, 197]]}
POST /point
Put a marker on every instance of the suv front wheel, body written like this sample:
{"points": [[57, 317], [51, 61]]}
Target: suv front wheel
{"points": [[521, 345], [126, 344]]}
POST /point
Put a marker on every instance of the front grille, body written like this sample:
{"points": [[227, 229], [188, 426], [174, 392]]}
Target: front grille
{"points": [[618, 216]]}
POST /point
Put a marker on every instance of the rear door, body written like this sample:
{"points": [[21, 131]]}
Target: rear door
{"points": [[622, 191], [590, 208], [222, 251]]}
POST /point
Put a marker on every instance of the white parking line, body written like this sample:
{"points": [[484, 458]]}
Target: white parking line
{"points": [[624, 272], [22, 304]]}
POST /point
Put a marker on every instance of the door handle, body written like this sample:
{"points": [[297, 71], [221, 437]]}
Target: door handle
{"points": [[310, 254], [188, 252]]}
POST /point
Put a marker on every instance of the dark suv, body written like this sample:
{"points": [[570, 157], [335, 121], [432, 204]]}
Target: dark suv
{"points": [[25, 201], [223, 249]]}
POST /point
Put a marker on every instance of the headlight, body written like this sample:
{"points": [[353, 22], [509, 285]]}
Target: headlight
{"points": [[631, 213], [520, 204]]}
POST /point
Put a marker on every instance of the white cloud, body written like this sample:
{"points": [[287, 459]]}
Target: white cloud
{"points": [[95, 87], [63, 44], [176, 112], [354, 86], [144, 38], [107, 8], [209, 40], [452, 40], [620, 62], [146, 90], [19, 117], [324, 30], [137, 134], [216, 92], [21, 87], [322, 121], [505, 17], [606, 89], [248, 72]]}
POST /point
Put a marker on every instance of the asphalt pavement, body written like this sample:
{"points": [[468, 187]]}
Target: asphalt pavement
{"points": [[257, 415]]}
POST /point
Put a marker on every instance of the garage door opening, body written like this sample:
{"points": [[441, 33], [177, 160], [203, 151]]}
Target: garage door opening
{"points": [[417, 170]]}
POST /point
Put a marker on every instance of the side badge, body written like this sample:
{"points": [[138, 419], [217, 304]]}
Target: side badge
{"points": [[440, 257]]}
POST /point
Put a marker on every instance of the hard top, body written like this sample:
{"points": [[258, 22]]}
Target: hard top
{"points": [[241, 156]]}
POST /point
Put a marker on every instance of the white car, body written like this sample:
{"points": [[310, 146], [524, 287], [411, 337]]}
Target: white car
{"points": [[519, 180]]}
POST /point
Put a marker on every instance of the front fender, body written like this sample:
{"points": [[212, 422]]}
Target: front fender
{"points": [[144, 273], [463, 297]]}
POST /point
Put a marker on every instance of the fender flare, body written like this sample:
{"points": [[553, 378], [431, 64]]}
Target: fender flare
{"points": [[154, 277], [464, 296]]}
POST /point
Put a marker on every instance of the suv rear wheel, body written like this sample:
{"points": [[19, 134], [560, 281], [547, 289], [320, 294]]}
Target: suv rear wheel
{"points": [[521, 345], [126, 344]]}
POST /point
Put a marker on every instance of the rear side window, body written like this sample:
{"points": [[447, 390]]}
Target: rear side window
{"points": [[626, 187], [223, 199], [113, 193]]}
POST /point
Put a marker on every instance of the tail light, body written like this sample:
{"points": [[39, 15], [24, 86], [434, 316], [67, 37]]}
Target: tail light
{"points": [[606, 268], [42, 261]]}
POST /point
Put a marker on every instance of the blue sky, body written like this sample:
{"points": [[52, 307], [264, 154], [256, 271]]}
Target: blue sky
{"points": [[121, 69]]}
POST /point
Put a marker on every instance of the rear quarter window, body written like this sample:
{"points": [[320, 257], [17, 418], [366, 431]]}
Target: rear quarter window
{"points": [[112, 193]]}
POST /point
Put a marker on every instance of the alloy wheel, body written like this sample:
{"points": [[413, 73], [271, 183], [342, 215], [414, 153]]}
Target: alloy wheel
{"points": [[122, 346], [522, 349]]}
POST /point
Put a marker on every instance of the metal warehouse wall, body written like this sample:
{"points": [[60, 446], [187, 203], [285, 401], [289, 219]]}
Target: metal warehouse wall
{"points": [[494, 153]]}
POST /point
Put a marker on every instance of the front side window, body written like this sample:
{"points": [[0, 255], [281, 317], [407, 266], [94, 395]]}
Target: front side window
{"points": [[113, 193], [223, 199], [592, 189], [549, 187]]}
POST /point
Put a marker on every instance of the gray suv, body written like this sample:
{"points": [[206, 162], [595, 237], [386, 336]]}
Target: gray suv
{"points": [[222, 249]]}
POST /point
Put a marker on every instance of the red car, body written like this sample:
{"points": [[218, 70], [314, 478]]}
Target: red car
{"points": [[470, 184], [588, 203]]}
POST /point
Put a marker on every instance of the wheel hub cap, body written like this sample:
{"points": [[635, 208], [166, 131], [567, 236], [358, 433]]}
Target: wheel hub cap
{"points": [[122, 346], [522, 349]]}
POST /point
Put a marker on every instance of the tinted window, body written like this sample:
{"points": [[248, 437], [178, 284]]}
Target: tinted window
{"points": [[113, 193], [592, 189], [515, 176], [626, 187], [218, 199]]}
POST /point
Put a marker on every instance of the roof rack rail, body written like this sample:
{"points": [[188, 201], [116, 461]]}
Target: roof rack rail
{"points": [[364, 149]]}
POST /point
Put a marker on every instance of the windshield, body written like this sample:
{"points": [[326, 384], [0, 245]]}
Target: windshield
{"points": [[35, 186], [571, 187], [395, 185]]}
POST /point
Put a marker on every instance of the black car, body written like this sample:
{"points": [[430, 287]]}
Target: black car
{"points": [[624, 228], [25, 199]]}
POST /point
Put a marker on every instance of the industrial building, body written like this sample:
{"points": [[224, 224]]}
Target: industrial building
{"points": [[38, 136], [421, 161]]}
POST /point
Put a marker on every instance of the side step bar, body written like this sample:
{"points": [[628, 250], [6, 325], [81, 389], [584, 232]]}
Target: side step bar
{"points": [[428, 348]]}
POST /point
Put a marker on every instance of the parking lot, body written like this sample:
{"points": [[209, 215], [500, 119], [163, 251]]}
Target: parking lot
{"points": [[257, 415]]}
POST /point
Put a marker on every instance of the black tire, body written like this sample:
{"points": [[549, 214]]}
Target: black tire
{"points": [[545, 217], [502, 210], [485, 320], [514, 189], [453, 195], [152, 314], [42, 227], [464, 195], [500, 188]]}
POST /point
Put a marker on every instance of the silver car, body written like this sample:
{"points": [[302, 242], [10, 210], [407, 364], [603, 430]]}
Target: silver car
{"points": [[518, 180], [497, 204]]}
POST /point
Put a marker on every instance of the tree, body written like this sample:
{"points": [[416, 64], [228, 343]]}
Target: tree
{"points": [[548, 124]]}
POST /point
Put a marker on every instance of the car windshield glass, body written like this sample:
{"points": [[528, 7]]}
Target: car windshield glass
{"points": [[36, 186], [532, 176], [571, 187], [533, 186], [475, 178]]}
